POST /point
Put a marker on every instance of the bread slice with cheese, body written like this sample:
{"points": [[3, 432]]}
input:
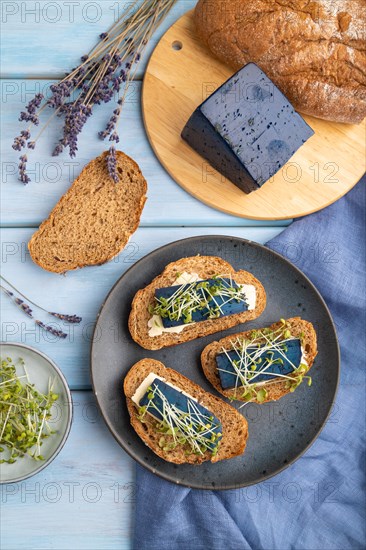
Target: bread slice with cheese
{"points": [[276, 388], [205, 267], [234, 425], [95, 218]]}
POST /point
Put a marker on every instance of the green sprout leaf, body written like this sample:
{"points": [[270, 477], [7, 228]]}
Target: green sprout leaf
{"points": [[261, 395], [255, 354], [197, 296], [24, 414]]}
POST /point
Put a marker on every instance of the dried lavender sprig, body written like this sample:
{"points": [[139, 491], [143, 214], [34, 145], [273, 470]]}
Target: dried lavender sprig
{"points": [[33, 105], [97, 79], [68, 318], [127, 77], [23, 176], [51, 330], [112, 164], [20, 141], [147, 6], [75, 119], [28, 311], [20, 303], [23, 306], [29, 115], [63, 316], [122, 22], [111, 124]]}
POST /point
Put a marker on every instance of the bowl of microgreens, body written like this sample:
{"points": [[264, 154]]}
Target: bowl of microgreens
{"points": [[35, 411]]}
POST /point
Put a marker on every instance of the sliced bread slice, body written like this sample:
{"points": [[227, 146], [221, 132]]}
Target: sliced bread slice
{"points": [[234, 425], [205, 267], [95, 218], [274, 389]]}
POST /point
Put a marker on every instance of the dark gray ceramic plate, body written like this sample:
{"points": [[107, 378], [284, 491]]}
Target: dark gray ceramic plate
{"points": [[279, 432]]}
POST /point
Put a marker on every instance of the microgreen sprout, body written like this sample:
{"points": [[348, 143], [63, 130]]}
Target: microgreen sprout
{"points": [[198, 296], [24, 414], [193, 429], [250, 365]]}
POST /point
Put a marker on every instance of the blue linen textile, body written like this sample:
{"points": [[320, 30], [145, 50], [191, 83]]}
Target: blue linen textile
{"points": [[318, 502]]}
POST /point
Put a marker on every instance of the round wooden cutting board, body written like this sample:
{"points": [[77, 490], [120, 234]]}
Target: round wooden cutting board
{"points": [[180, 75]]}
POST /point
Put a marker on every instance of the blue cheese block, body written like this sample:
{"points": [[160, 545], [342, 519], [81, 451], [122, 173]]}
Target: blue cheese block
{"points": [[229, 308], [290, 349], [247, 129], [199, 415]]}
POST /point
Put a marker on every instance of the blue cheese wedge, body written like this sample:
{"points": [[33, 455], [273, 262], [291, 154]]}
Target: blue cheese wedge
{"points": [[186, 420], [259, 364], [247, 129]]}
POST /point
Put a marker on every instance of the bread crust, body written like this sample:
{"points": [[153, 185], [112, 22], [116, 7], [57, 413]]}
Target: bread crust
{"points": [[206, 267], [275, 390], [315, 52], [66, 240], [234, 425]]}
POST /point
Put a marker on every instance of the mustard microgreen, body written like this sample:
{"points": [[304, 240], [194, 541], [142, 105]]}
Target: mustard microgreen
{"points": [[250, 365], [193, 428], [24, 414], [198, 296]]}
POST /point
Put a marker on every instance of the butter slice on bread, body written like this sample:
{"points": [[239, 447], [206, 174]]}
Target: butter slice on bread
{"points": [[234, 425], [205, 267], [276, 389], [95, 218]]}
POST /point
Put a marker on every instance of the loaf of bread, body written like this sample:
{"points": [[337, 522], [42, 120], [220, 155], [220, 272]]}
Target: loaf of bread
{"points": [[234, 425], [313, 50], [205, 267], [274, 389], [93, 221]]}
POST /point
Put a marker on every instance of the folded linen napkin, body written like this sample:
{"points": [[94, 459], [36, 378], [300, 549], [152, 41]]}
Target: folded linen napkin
{"points": [[325, 508]]}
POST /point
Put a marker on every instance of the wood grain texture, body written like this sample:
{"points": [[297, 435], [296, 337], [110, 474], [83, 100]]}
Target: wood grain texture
{"points": [[91, 456], [51, 176], [83, 500], [328, 165], [80, 292], [27, 49]]}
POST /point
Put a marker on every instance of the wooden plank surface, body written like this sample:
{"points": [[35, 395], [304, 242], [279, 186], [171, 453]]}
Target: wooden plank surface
{"points": [[47, 39], [80, 292], [36, 48], [83, 500], [51, 176]]}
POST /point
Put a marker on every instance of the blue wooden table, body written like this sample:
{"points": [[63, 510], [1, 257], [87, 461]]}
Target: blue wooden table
{"points": [[85, 498]]}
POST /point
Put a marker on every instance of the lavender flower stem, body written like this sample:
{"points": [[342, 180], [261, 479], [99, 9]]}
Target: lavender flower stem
{"points": [[65, 317], [95, 80]]}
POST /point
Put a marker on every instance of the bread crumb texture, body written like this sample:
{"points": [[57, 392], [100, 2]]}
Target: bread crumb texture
{"points": [[313, 50], [275, 390], [205, 267], [234, 425], [95, 218]]}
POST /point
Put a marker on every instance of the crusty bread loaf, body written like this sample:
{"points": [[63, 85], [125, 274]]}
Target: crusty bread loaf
{"points": [[234, 425], [276, 389], [95, 218], [205, 267], [314, 51]]}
